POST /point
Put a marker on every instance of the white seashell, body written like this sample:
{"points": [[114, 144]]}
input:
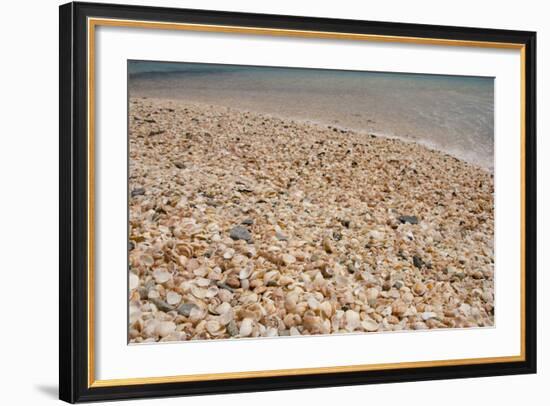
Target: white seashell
{"points": [[133, 281], [372, 296], [294, 331], [212, 291], [153, 294], [428, 315], [161, 275], [313, 303], [352, 320], [223, 308], [203, 282], [196, 313], [229, 253], [147, 260], [271, 332], [213, 327], [246, 327], [198, 292], [369, 325], [173, 298], [164, 328], [245, 273], [326, 308]]}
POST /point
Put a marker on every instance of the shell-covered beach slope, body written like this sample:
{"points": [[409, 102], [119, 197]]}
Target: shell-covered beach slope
{"points": [[247, 225]]}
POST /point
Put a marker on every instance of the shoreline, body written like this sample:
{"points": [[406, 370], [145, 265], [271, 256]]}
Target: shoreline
{"points": [[424, 142], [249, 225]]}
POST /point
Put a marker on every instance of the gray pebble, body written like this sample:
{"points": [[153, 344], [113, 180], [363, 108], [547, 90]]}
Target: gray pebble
{"points": [[185, 309], [408, 219], [240, 233]]}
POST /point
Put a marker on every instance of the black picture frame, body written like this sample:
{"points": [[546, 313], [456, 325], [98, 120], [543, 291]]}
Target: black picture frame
{"points": [[74, 384]]}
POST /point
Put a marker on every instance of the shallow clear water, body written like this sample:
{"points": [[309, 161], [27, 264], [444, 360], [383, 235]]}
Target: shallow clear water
{"points": [[454, 114]]}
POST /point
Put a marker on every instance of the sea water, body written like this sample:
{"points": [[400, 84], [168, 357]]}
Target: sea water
{"points": [[454, 114]]}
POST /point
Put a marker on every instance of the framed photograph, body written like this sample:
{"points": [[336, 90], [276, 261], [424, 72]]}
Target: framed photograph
{"points": [[258, 202]]}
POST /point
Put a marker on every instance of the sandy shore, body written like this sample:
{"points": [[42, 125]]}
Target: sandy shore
{"points": [[246, 225]]}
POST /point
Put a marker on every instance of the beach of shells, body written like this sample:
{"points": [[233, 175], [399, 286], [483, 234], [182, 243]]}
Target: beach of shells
{"points": [[247, 225]]}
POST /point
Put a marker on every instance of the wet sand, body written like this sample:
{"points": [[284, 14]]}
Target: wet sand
{"points": [[248, 225]]}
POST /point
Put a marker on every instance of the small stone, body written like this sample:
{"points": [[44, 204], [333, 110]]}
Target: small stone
{"points": [[417, 261], [232, 328], [408, 219], [161, 304], [477, 275], [185, 308], [225, 286], [281, 237], [179, 164], [240, 233], [248, 222], [233, 282], [327, 246], [345, 223], [137, 192]]}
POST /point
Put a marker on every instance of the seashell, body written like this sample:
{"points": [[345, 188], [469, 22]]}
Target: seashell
{"points": [[173, 298], [352, 320], [202, 282], [214, 327], [165, 328], [196, 313], [285, 280], [224, 295], [198, 292], [245, 273], [372, 296], [419, 288], [246, 327], [428, 315], [201, 271], [294, 331], [313, 303], [192, 264], [420, 326], [369, 325], [311, 322], [212, 291], [133, 281], [229, 253], [146, 260], [162, 275], [185, 249], [326, 309]]}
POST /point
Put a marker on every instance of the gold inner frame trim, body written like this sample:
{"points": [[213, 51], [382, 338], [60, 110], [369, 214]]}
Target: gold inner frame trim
{"points": [[94, 22]]}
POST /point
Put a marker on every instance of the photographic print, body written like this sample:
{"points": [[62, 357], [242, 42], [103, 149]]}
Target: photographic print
{"points": [[254, 202], [273, 201]]}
